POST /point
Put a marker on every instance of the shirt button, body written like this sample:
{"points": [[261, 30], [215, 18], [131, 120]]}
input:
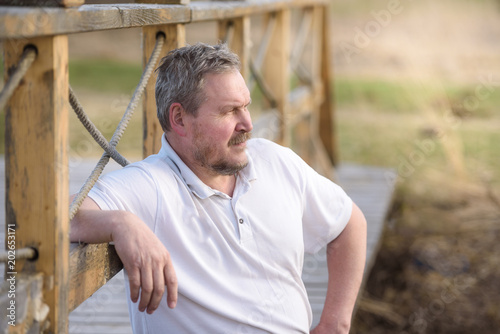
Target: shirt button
{"points": [[241, 221]]}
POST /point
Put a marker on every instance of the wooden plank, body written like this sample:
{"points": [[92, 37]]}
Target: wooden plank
{"points": [[275, 70], [90, 267], [166, 2], [37, 198], [175, 38], [27, 22], [240, 41], [208, 10], [43, 3]]}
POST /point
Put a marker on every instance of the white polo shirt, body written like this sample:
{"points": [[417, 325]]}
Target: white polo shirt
{"points": [[238, 259]]}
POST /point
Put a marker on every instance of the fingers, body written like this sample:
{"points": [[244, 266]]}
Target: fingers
{"points": [[134, 277], [146, 288], [149, 282], [171, 282], [158, 289]]}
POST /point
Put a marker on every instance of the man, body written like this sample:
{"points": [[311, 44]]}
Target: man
{"points": [[220, 220]]}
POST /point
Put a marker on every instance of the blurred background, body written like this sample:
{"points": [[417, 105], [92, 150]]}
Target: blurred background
{"points": [[416, 87]]}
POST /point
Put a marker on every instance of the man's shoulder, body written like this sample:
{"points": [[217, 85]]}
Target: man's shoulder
{"points": [[148, 169]]}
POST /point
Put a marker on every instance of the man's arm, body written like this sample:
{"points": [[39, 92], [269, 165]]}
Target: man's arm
{"points": [[147, 261], [346, 261]]}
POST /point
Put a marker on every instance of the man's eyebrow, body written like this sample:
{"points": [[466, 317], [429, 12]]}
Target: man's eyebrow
{"points": [[233, 106]]}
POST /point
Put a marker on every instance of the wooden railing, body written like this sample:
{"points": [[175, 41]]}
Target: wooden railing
{"points": [[291, 67]]}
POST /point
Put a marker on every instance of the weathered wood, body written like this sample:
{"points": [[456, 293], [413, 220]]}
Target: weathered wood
{"points": [[28, 22], [28, 310], [207, 10], [275, 70], [90, 267], [169, 2], [43, 3], [36, 173], [327, 131], [240, 41], [175, 38]]}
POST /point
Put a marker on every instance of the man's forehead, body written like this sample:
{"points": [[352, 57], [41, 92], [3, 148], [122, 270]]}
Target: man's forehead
{"points": [[227, 86]]}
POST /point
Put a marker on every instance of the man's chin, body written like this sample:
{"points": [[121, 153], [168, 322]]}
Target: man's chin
{"points": [[229, 169]]}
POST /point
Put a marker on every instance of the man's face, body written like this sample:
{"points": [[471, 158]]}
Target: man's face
{"points": [[222, 125]]}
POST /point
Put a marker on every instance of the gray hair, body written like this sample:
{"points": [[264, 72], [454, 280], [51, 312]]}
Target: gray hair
{"points": [[181, 76]]}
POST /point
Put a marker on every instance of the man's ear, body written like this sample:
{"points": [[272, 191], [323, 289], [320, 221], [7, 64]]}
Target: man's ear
{"points": [[176, 116]]}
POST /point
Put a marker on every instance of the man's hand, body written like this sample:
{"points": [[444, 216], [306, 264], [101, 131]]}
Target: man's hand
{"points": [[148, 264], [147, 261]]}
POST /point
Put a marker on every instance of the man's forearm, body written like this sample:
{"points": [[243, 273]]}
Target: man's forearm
{"points": [[142, 253], [92, 225], [346, 261]]}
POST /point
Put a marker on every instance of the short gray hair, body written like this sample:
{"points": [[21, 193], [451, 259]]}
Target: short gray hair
{"points": [[181, 76]]}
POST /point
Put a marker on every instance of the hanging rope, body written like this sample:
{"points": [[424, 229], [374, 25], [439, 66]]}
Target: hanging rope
{"points": [[94, 131], [27, 58], [92, 179]]}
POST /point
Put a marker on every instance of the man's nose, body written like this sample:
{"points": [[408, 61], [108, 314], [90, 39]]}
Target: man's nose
{"points": [[245, 122]]}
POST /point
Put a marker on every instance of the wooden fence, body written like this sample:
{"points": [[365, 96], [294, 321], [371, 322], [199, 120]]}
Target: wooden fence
{"points": [[294, 78]]}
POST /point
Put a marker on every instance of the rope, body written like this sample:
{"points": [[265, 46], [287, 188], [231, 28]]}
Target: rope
{"points": [[27, 58], [94, 131], [92, 179]]}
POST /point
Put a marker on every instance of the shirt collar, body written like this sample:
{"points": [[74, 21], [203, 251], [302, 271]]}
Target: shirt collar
{"points": [[194, 183]]}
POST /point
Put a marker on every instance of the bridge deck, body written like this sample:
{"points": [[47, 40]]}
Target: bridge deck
{"points": [[106, 311]]}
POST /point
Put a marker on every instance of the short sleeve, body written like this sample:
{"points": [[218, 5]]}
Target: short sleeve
{"points": [[326, 209], [131, 189]]}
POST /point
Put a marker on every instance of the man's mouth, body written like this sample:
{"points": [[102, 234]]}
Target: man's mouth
{"points": [[240, 138]]}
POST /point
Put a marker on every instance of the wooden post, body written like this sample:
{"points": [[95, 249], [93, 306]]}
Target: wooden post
{"points": [[275, 70], [175, 38], [326, 117], [36, 168], [240, 43]]}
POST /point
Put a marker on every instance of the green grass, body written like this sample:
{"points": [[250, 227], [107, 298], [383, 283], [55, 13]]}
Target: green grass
{"points": [[104, 75], [387, 123]]}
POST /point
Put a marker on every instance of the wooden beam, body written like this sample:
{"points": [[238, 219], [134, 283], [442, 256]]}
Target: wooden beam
{"points": [[43, 3], [166, 2], [275, 70], [175, 38], [27, 22], [36, 168], [326, 112], [208, 10], [90, 267], [240, 42]]}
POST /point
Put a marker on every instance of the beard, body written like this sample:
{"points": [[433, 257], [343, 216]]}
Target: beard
{"points": [[205, 151]]}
